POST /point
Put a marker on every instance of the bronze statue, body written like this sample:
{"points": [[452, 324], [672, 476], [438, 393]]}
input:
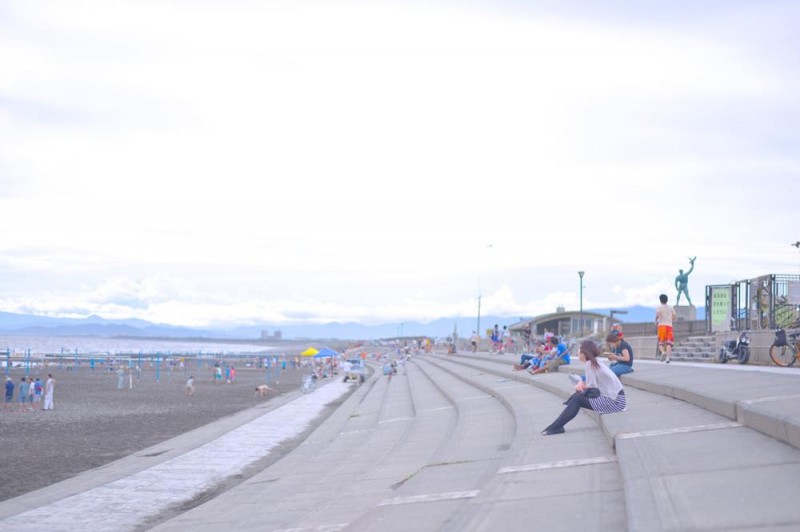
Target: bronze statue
{"points": [[682, 283]]}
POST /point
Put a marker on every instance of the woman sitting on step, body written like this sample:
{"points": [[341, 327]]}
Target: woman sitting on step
{"points": [[601, 391]]}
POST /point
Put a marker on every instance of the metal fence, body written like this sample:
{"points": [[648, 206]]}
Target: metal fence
{"points": [[762, 303]]}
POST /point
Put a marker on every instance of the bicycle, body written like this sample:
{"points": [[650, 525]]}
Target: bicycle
{"points": [[784, 352]]}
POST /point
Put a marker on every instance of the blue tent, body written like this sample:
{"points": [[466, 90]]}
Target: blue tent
{"points": [[326, 352]]}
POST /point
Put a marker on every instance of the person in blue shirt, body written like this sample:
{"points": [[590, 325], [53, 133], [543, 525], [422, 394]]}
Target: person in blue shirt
{"points": [[558, 356], [22, 398], [9, 392]]}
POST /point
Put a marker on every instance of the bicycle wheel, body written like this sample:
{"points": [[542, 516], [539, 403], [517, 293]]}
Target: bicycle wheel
{"points": [[782, 355]]}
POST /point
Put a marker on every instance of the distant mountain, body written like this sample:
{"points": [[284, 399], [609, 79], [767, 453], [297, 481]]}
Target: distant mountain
{"points": [[31, 325]]}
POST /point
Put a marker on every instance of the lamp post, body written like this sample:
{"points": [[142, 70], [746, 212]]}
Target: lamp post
{"points": [[478, 326], [580, 327]]}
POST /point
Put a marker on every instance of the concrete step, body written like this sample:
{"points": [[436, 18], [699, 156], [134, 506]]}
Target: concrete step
{"points": [[694, 348], [676, 408]]}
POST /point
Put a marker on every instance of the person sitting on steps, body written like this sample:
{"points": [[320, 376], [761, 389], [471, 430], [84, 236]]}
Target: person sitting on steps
{"points": [[531, 359], [602, 391], [621, 355], [558, 356]]}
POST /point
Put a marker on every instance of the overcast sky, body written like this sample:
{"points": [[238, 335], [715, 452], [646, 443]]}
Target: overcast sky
{"points": [[218, 162]]}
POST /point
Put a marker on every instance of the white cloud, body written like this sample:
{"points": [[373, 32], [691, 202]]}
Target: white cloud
{"points": [[220, 161]]}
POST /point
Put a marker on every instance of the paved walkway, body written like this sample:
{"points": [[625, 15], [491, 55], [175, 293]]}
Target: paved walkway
{"points": [[453, 443]]}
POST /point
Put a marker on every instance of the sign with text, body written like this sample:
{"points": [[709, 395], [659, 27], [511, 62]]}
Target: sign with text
{"points": [[721, 301]]}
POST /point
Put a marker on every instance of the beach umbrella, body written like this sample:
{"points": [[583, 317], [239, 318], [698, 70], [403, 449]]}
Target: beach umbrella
{"points": [[310, 352], [326, 352]]}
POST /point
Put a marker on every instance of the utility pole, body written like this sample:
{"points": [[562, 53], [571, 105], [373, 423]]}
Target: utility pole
{"points": [[580, 326]]}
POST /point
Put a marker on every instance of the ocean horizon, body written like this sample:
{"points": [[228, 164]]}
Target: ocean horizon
{"points": [[83, 345]]}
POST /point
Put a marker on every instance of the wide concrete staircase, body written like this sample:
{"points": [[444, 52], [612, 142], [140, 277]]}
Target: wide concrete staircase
{"points": [[696, 348]]}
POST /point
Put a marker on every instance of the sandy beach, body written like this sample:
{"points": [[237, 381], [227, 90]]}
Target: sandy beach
{"points": [[94, 422]]}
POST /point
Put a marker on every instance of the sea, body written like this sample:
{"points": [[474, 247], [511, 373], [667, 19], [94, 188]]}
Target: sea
{"points": [[94, 345]]}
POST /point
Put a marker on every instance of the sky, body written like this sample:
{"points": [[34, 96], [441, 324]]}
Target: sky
{"points": [[213, 163]]}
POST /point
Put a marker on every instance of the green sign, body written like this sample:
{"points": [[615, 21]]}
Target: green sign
{"points": [[721, 308]]}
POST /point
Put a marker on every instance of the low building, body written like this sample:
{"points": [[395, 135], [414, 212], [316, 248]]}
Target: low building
{"points": [[562, 323]]}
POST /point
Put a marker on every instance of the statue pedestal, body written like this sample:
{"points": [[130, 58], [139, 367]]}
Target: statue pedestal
{"points": [[686, 313]]}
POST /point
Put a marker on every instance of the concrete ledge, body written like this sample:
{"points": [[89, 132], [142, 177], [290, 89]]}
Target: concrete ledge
{"points": [[778, 418], [764, 401], [754, 397]]}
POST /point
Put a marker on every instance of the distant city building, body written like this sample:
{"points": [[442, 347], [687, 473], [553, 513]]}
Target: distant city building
{"points": [[277, 335]]}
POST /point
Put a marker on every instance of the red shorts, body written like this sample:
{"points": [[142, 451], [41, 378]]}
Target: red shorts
{"points": [[665, 335]]}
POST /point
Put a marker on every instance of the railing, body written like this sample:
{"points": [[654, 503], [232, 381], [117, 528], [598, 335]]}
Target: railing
{"points": [[761, 303]]}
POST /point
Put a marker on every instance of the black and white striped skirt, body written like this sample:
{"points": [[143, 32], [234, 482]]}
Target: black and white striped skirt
{"points": [[606, 405]]}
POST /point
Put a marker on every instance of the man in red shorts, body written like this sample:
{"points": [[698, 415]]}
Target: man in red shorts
{"points": [[665, 315]]}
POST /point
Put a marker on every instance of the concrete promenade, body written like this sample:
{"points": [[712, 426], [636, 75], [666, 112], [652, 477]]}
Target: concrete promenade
{"points": [[454, 443]]}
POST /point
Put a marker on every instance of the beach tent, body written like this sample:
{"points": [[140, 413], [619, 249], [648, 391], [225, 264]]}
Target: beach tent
{"points": [[326, 352], [310, 352]]}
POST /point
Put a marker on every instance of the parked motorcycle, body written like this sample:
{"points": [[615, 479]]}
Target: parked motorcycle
{"points": [[738, 349]]}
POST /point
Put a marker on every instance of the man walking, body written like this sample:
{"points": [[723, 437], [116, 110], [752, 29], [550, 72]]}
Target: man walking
{"points": [[665, 315]]}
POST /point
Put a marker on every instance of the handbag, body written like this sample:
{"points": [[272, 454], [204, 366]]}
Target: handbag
{"points": [[591, 393]]}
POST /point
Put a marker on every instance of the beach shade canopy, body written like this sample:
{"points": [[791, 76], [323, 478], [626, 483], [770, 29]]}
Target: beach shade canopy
{"points": [[310, 352], [326, 352]]}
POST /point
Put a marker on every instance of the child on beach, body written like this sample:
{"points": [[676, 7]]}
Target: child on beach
{"points": [[38, 392], [261, 390], [190, 386]]}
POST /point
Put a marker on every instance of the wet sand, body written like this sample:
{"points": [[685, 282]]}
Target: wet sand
{"points": [[94, 423]]}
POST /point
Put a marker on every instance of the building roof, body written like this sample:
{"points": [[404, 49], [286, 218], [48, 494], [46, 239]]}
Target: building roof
{"points": [[527, 324]]}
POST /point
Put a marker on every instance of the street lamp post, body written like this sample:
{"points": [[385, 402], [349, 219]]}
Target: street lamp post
{"points": [[478, 328], [580, 327], [480, 293]]}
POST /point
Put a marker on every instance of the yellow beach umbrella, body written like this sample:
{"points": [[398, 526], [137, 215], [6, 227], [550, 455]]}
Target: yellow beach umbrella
{"points": [[310, 352]]}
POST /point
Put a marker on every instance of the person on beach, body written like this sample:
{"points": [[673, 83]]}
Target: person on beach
{"points": [[31, 392], [602, 391], [261, 390], [49, 388], [120, 378], [217, 373], [9, 394], [665, 315], [38, 392], [190, 386], [22, 398]]}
